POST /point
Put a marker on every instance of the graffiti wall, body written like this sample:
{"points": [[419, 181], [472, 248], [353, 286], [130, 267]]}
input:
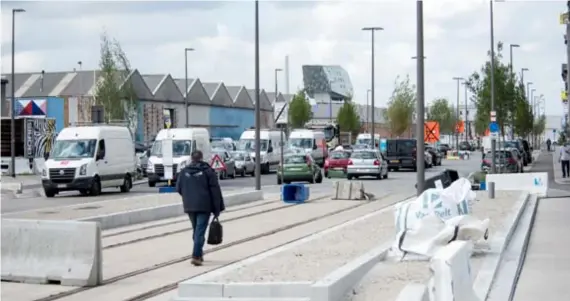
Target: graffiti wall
{"points": [[39, 136]]}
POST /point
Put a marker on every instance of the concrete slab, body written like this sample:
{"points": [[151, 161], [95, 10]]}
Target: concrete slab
{"points": [[546, 268], [60, 252]]}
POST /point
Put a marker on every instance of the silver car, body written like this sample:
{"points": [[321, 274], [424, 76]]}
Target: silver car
{"points": [[365, 163], [230, 170], [244, 163]]}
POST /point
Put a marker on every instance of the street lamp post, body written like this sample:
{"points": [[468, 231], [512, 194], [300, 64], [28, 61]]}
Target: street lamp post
{"points": [[186, 50], [281, 144], [528, 91], [367, 109], [372, 30], [511, 46], [466, 127], [523, 70], [420, 104], [257, 104], [458, 79], [493, 141], [13, 100]]}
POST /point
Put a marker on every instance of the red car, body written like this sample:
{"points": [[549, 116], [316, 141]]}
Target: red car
{"points": [[337, 160]]}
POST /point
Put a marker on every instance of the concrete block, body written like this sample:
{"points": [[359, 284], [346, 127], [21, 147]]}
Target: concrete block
{"points": [[337, 283], [126, 218], [536, 182], [267, 290], [452, 272], [414, 292], [348, 190], [44, 251], [15, 188]]}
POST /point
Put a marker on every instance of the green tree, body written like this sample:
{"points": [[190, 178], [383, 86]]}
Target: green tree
{"points": [[113, 91], [444, 114], [401, 106], [522, 117], [299, 110], [348, 119], [539, 125], [480, 85]]}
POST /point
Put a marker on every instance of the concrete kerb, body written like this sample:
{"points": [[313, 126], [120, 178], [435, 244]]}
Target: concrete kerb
{"points": [[337, 283], [498, 245], [127, 218], [45, 251], [505, 282], [414, 292], [339, 280]]}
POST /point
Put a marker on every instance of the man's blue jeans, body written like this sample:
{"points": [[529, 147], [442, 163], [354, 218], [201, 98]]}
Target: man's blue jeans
{"points": [[199, 222]]}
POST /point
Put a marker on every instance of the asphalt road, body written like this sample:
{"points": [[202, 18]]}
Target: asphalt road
{"points": [[397, 182]]}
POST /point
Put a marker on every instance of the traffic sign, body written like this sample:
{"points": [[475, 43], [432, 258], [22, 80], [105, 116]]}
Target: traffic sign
{"points": [[217, 163], [493, 127]]}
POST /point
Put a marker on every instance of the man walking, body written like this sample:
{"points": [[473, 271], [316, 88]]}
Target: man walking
{"points": [[565, 160], [548, 143], [201, 196]]}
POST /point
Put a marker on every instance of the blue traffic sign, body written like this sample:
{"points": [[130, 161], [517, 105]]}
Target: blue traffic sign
{"points": [[554, 130], [493, 127]]}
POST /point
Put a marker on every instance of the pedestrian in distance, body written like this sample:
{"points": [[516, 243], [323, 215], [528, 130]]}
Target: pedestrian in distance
{"points": [[564, 159], [548, 143], [201, 197]]}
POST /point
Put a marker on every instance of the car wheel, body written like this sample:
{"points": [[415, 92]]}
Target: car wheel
{"points": [[312, 180], [151, 184], [279, 180], [319, 178], [83, 191], [49, 193], [95, 189], [127, 184], [234, 174], [242, 173], [349, 177], [386, 175], [379, 176]]}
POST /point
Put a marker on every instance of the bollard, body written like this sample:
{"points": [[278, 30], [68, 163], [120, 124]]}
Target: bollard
{"points": [[491, 189]]}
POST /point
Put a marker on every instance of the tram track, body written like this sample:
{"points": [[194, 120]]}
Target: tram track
{"points": [[170, 263]]}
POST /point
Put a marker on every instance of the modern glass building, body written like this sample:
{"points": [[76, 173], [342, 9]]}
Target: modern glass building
{"points": [[324, 84]]}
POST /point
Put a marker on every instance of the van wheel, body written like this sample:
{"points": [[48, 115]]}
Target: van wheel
{"points": [[95, 189], [49, 193], [83, 191], [265, 168], [151, 184], [127, 184]]}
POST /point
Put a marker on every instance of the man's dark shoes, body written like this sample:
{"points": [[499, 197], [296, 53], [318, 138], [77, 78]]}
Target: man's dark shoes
{"points": [[197, 261]]}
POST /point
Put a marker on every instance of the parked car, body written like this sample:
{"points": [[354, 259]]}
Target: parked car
{"points": [[436, 155], [244, 163], [337, 160], [230, 165], [299, 168], [466, 146], [401, 153], [364, 163], [428, 159], [519, 146], [506, 160], [527, 150], [444, 148]]}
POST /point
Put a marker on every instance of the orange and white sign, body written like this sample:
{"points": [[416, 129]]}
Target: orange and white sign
{"points": [[217, 163]]}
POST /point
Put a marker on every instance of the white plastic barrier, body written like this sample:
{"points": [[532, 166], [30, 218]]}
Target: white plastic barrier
{"points": [[43, 251], [452, 273], [414, 292], [534, 183]]}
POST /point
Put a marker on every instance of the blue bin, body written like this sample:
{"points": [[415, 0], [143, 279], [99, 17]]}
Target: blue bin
{"points": [[166, 189], [294, 193], [482, 186]]}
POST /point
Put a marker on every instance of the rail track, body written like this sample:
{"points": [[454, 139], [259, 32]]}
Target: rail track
{"points": [[173, 285]]}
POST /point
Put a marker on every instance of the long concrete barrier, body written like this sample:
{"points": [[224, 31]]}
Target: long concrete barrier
{"points": [[54, 252], [126, 218], [536, 183], [452, 273]]}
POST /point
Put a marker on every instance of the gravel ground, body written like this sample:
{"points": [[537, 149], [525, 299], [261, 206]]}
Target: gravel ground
{"points": [[387, 279]]}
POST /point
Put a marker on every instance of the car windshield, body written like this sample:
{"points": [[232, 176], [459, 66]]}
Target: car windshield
{"points": [[513, 144], [364, 141], [360, 146], [179, 148], [70, 149], [301, 142], [363, 155], [249, 145], [295, 160], [499, 154], [340, 155], [239, 156]]}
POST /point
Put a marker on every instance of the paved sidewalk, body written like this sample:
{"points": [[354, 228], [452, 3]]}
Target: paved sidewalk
{"points": [[546, 271]]}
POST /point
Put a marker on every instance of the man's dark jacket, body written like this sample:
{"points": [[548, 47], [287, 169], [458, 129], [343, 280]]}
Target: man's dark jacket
{"points": [[200, 190]]}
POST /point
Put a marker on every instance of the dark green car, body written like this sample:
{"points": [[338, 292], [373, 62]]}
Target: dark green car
{"points": [[299, 168]]}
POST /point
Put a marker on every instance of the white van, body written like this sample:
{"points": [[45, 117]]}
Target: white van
{"points": [[270, 150], [90, 158], [366, 138], [310, 141], [184, 142]]}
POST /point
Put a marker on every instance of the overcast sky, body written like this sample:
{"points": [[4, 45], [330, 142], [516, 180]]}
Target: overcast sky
{"points": [[53, 36]]}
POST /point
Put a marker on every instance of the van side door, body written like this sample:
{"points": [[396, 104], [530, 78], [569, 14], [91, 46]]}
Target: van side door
{"points": [[104, 170]]}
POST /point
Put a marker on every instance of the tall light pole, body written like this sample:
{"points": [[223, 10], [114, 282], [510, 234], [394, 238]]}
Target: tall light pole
{"points": [[420, 104], [257, 105], [511, 46], [372, 30], [523, 70], [13, 100], [492, 40], [186, 50], [528, 91], [368, 109], [568, 65], [531, 103], [466, 127], [281, 143], [458, 79]]}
